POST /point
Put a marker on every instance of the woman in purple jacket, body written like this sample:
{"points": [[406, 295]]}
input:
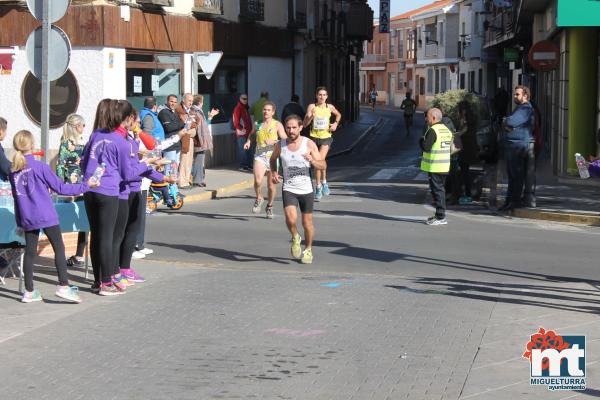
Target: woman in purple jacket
{"points": [[30, 180], [102, 203], [128, 223]]}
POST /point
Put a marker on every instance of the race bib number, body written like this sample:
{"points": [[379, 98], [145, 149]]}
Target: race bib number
{"points": [[321, 124]]}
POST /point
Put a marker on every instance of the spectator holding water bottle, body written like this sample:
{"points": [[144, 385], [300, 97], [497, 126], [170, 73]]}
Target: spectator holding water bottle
{"points": [[30, 180], [102, 203]]}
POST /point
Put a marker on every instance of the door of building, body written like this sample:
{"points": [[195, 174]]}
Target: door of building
{"points": [[391, 86]]}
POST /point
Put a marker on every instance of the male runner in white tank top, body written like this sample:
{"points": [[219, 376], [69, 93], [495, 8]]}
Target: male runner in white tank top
{"points": [[297, 154]]}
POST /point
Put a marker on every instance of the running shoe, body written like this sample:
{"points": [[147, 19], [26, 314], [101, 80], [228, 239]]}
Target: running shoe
{"points": [[30, 297], [436, 221], [108, 289], [95, 288], [138, 255], [131, 275], [257, 205], [319, 193], [269, 211], [74, 261], [120, 283], [326, 191], [307, 256], [296, 249], [70, 293], [146, 251]]}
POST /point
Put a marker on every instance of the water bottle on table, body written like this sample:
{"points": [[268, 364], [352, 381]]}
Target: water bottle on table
{"points": [[582, 166]]}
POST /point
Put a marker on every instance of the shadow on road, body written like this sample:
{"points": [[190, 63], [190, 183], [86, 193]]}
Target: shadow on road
{"points": [[361, 214], [210, 215], [560, 298], [222, 253]]}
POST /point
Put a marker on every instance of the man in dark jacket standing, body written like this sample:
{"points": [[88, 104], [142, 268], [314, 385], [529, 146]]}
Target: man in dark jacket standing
{"points": [[519, 148], [172, 125]]}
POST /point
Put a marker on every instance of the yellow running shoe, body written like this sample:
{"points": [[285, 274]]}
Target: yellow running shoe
{"points": [[296, 249], [307, 257]]}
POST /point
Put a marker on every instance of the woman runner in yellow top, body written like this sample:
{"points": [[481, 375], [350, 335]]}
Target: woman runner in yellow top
{"points": [[319, 114], [268, 132]]}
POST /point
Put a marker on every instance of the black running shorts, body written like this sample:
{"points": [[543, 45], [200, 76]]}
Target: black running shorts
{"points": [[304, 201], [322, 142]]}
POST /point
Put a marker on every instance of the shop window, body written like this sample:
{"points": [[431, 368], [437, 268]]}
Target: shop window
{"points": [[223, 90], [64, 98], [152, 74]]}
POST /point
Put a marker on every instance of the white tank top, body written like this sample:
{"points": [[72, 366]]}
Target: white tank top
{"points": [[296, 170]]}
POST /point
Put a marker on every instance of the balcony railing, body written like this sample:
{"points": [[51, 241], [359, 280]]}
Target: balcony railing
{"points": [[498, 27], [431, 50], [212, 7], [252, 10], [374, 58], [300, 20]]}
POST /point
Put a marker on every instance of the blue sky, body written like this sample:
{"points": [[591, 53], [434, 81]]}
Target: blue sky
{"points": [[398, 7]]}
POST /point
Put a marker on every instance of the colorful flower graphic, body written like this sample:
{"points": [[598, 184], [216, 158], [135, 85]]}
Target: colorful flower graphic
{"points": [[545, 340]]}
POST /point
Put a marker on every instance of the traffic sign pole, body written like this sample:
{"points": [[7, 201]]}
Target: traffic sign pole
{"points": [[45, 94]]}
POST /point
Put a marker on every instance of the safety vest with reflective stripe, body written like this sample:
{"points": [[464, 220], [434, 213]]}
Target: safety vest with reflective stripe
{"points": [[438, 159]]}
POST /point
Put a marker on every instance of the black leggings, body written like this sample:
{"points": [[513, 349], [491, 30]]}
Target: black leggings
{"points": [[81, 243], [102, 215], [132, 229], [31, 241], [119, 234], [141, 235]]}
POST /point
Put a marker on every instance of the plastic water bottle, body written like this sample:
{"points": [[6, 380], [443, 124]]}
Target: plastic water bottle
{"points": [[173, 171], [97, 175], [6, 200], [582, 166]]}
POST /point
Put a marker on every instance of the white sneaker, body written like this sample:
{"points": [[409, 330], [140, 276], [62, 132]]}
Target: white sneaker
{"points": [[146, 251], [137, 255]]}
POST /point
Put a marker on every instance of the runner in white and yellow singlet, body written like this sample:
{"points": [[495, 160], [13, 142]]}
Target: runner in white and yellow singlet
{"points": [[319, 114], [268, 132], [297, 155]]}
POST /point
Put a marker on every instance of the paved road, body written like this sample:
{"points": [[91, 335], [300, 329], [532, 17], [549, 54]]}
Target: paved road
{"points": [[390, 309]]}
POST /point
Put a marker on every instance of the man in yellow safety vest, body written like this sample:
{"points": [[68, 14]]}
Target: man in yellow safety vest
{"points": [[436, 162]]}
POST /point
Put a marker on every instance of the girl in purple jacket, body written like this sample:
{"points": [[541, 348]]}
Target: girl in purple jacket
{"points": [[30, 180], [128, 223]]}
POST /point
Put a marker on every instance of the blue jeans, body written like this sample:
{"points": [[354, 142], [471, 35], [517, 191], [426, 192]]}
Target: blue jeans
{"points": [[520, 166], [244, 156]]}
